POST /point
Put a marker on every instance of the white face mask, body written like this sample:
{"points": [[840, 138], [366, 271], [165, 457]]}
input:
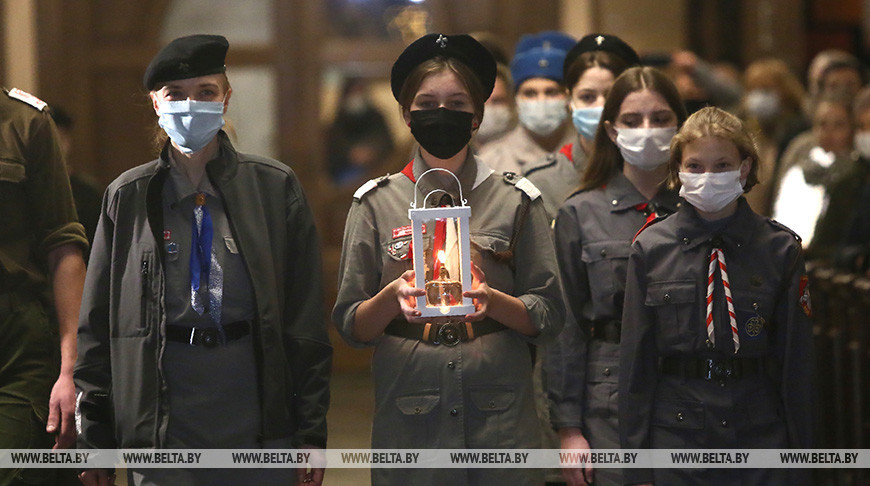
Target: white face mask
{"points": [[497, 119], [645, 148], [763, 104], [542, 117], [710, 192], [862, 144], [190, 124]]}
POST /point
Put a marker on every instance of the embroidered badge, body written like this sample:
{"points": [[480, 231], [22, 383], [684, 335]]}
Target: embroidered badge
{"points": [[171, 247], [27, 98], [754, 326], [402, 231], [167, 235], [400, 250], [804, 296]]}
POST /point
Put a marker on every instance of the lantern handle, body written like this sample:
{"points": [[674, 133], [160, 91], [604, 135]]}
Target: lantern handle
{"points": [[458, 184]]}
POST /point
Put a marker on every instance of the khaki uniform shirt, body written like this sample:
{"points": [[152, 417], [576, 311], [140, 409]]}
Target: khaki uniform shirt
{"points": [[35, 198], [517, 149], [477, 394], [557, 176]]}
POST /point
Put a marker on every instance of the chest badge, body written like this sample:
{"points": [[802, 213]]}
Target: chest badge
{"points": [[754, 326]]}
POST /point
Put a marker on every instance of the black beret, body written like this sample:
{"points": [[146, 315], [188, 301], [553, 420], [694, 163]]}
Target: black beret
{"points": [[602, 42], [187, 57], [461, 47]]}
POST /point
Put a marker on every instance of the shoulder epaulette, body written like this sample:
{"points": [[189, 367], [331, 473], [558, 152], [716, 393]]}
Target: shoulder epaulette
{"points": [[776, 224], [549, 161], [26, 97], [369, 185], [522, 184], [648, 224]]}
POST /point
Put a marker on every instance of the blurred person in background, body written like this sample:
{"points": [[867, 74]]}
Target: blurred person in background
{"points": [[500, 114], [843, 74], [590, 68], [817, 192], [772, 105], [358, 140], [86, 191], [544, 125], [701, 83], [854, 253]]}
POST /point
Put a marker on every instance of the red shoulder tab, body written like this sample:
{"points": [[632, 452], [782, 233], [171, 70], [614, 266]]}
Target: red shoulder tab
{"points": [[409, 171], [568, 151]]}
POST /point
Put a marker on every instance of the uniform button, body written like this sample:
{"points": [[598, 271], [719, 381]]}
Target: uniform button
{"points": [[614, 202], [451, 364], [606, 371], [454, 412], [679, 416], [686, 241], [755, 306], [667, 297], [724, 423], [722, 383], [709, 344], [491, 404], [603, 252], [417, 410]]}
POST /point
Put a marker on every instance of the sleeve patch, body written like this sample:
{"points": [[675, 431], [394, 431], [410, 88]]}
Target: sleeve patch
{"points": [[804, 296], [28, 98]]}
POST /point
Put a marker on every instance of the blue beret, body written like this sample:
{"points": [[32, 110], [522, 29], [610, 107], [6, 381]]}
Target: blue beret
{"points": [[550, 39], [602, 42], [461, 47], [537, 63], [187, 57]]}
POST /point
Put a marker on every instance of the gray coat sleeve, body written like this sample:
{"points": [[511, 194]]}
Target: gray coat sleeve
{"points": [[565, 358], [93, 373], [305, 337], [638, 365], [537, 283]]}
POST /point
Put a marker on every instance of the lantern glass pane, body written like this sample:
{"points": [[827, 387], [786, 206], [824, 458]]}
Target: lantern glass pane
{"points": [[443, 262]]}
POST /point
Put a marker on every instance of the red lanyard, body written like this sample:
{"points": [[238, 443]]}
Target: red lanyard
{"points": [[717, 255]]}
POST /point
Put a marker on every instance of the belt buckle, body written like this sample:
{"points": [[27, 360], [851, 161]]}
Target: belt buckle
{"points": [[717, 370], [448, 334], [209, 337]]}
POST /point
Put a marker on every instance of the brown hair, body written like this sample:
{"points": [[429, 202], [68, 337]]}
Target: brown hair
{"points": [[605, 160], [777, 73], [159, 137], [603, 59], [714, 122], [436, 65]]}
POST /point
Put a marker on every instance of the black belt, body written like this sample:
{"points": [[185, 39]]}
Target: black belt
{"points": [[607, 330], [712, 369], [448, 334], [207, 336]]}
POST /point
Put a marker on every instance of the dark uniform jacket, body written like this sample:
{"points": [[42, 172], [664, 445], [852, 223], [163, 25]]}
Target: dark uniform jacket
{"points": [[121, 389], [664, 317]]}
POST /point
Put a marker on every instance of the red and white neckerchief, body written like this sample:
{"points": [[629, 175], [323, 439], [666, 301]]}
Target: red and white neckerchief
{"points": [[717, 255]]}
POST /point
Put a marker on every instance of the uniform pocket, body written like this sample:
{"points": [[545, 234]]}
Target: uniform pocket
{"points": [[12, 171], [491, 417], [675, 303], [138, 280], [417, 404], [677, 424], [601, 389], [754, 311], [606, 263], [416, 424]]}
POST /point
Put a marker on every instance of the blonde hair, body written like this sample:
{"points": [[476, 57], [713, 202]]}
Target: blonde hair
{"points": [[714, 122]]}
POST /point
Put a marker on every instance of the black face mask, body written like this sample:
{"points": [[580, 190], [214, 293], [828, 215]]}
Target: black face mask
{"points": [[441, 132]]}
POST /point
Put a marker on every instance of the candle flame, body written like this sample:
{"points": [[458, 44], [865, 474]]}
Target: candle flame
{"points": [[442, 257]]}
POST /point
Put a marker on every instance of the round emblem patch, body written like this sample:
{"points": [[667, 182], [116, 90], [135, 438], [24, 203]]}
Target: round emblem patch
{"points": [[754, 326]]}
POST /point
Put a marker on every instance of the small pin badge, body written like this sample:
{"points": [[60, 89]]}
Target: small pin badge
{"points": [[441, 41], [200, 199], [543, 63], [599, 39], [754, 326], [171, 247], [183, 67], [167, 235]]}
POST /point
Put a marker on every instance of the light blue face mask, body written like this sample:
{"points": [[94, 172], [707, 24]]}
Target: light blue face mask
{"points": [[190, 124], [586, 120]]}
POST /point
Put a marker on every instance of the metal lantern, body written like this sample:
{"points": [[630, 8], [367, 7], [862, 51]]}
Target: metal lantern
{"points": [[442, 255]]}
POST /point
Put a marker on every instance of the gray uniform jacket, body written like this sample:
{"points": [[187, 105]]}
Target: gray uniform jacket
{"points": [[477, 394], [517, 149], [594, 231], [557, 176], [121, 388], [664, 316]]}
